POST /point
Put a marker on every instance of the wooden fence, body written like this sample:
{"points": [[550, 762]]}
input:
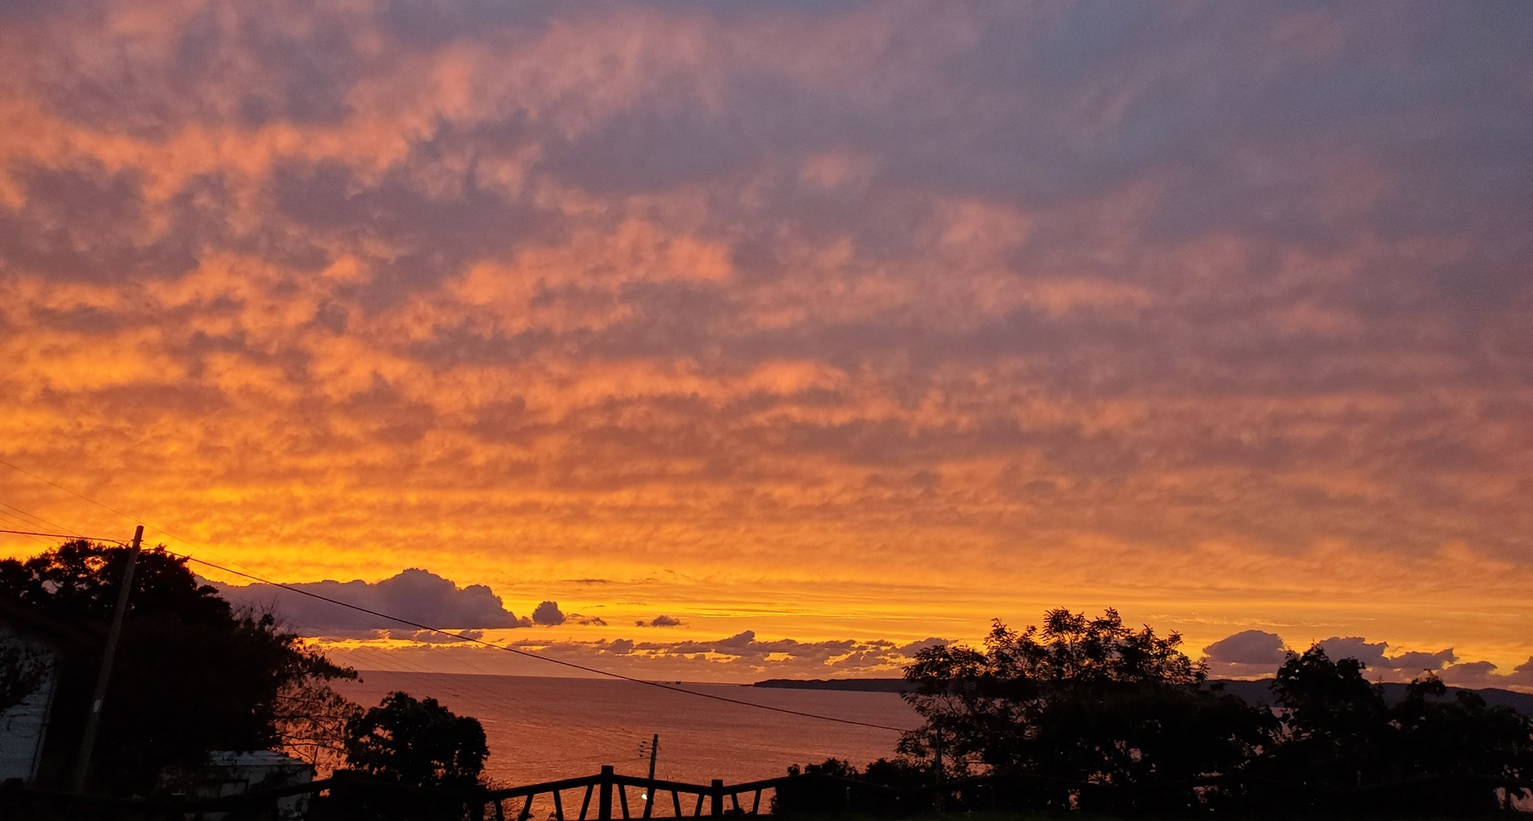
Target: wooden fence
{"points": [[605, 784], [601, 797], [605, 797]]}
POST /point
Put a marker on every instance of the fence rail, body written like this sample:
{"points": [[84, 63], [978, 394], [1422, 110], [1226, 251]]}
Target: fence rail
{"points": [[604, 797]]}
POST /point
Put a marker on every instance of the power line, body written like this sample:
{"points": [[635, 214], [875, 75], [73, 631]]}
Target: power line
{"points": [[458, 636], [34, 517], [422, 670], [550, 659], [13, 520], [71, 492], [71, 536]]}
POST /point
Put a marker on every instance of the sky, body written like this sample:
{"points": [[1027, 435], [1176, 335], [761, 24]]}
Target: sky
{"points": [[725, 341]]}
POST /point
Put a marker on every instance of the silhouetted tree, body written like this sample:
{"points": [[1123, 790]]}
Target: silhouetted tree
{"points": [[816, 789], [1452, 753], [1341, 746], [418, 743], [412, 759], [834, 786], [191, 676], [312, 721], [1332, 739], [1080, 712]]}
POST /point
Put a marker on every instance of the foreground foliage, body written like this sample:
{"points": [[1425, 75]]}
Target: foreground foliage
{"points": [[1087, 714], [412, 760], [418, 743], [192, 675]]}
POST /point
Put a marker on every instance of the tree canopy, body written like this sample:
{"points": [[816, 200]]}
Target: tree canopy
{"points": [[1088, 713], [1340, 745], [417, 742], [192, 675], [1079, 700]]}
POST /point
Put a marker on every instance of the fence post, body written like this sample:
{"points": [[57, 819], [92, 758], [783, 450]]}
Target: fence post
{"points": [[716, 798], [604, 802]]}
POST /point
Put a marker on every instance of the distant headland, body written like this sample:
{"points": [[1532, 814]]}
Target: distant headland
{"points": [[861, 685]]}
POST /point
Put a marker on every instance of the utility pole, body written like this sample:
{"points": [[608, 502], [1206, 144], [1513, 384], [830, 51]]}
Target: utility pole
{"points": [[937, 769], [93, 718], [649, 794]]}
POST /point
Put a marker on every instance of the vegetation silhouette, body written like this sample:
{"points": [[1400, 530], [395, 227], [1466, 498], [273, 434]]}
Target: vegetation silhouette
{"points": [[1080, 714], [1087, 714], [192, 674], [406, 742], [417, 742], [1340, 745]]}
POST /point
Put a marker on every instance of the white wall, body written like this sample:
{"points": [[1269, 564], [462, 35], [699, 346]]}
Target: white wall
{"points": [[23, 727]]}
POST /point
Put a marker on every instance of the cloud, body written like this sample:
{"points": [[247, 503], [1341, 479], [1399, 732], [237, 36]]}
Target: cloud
{"points": [[1474, 674], [1522, 674], [1353, 647], [1255, 647], [430, 636], [620, 647], [1373, 655], [831, 284], [413, 595], [659, 621], [547, 614], [1258, 654], [743, 654], [1423, 661], [910, 650]]}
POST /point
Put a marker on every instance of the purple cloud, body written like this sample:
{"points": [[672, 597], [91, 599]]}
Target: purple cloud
{"points": [[414, 595]]}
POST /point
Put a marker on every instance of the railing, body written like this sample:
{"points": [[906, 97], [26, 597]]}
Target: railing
{"points": [[605, 797], [601, 787]]}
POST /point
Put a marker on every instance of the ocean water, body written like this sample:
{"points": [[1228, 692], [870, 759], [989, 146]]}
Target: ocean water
{"points": [[542, 729]]}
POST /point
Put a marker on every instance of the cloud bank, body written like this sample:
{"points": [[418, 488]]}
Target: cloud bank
{"points": [[413, 595], [1258, 654]]}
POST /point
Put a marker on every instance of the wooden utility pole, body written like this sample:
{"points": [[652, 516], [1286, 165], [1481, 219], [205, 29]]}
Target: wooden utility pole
{"points": [[649, 794], [937, 769], [93, 718], [604, 798]]}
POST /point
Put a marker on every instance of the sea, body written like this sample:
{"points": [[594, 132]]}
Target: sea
{"points": [[544, 729]]}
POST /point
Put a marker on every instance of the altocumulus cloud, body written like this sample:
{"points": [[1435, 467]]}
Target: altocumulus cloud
{"points": [[1258, 654], [1247, 653], [738, 657], [415, 595], [1075, 270]]}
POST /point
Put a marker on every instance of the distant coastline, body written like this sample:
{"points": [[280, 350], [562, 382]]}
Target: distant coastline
{"points": [[861, 685], [1254, 692]]}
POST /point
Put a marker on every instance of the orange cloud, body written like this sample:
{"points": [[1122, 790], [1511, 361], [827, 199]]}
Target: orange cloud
{"points": [[839, 320]]}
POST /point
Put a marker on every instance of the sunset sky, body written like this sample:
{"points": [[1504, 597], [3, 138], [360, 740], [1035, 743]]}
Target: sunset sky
{"points": [[779, 338]]}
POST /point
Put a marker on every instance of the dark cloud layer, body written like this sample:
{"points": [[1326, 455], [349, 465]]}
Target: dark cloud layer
{"points": [[1373, 655], [813, 288], [1258, 654], [1249, 647], [547, 614], [413, 595]]}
